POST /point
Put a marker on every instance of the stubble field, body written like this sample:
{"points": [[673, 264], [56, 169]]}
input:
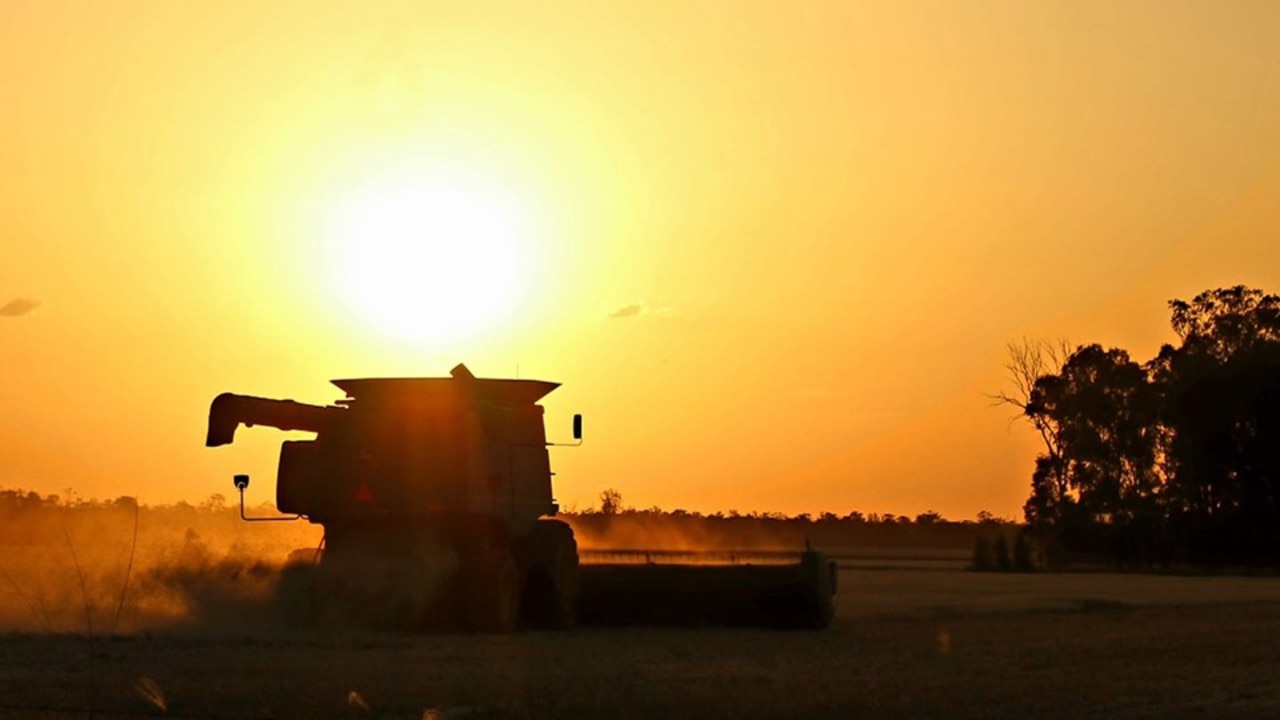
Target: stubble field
{"points": [[915, 636]]}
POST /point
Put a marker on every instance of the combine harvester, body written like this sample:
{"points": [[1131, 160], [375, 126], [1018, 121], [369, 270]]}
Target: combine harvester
{"points": [[435, 499]]}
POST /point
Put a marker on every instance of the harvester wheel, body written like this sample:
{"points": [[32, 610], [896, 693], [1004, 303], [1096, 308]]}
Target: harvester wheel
{"points": [[297, 592], [548, 600], [820, 578], [491, 590]]}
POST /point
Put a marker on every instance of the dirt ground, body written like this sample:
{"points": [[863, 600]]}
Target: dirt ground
{"points": [[906, 643]]}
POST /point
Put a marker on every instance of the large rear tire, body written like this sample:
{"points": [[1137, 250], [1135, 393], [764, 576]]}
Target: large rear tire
{"points": [[549, 597], [297, 593], [491, 589], [820, 577], [397, 576]]}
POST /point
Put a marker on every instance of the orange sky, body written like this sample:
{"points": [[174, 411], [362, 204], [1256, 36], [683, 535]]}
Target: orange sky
{"points": [[821, 223]]}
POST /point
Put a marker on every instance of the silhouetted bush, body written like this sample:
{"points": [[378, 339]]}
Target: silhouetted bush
{"points": [[982, 560], [1000, 550], [1022, 561]]}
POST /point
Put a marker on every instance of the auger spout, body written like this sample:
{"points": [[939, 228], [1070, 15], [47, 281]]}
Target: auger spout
{"points": [[229, 410]]}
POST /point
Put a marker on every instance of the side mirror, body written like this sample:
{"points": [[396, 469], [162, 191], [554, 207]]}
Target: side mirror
{"points": [[577, 426], [242, 482]]}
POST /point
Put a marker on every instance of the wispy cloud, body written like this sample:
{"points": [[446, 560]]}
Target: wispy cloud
{"points": [[18, 307], [639, 309], [626, 312]]}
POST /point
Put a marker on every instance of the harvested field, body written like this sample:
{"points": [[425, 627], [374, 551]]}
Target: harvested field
{"points": [[934, 588], [908, 642]]}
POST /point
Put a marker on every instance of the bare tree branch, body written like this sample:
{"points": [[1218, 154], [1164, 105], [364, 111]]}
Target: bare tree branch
{"points": [[1029, 360]]}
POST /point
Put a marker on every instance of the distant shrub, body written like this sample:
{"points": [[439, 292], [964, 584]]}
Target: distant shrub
{"points": [[982, 555], [1022, 552], [1000, 548]]}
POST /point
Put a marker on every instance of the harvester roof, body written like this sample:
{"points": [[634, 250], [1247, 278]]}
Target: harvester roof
{"points": [[398, 391]]}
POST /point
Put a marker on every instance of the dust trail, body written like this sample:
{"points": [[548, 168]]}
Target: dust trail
{"points": [[651, 531], [85, 567]]}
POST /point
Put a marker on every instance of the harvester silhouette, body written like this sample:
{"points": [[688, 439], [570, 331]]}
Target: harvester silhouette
{"points": [[436, 502]]}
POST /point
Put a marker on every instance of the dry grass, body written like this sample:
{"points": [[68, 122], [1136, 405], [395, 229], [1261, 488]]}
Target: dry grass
{"points": [[1153, 663], [928, 591]]}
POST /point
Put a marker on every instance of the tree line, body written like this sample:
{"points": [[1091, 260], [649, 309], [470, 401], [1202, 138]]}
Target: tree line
{"points": [[17, 501], [1175, 460], [30, 518]]}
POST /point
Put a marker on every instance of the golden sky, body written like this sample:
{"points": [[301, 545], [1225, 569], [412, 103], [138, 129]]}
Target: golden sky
{"points": [[774, 251]]}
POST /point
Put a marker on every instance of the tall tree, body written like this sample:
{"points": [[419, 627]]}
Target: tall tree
{"points": [[1104, 410], [1220, 393], [1183, 452]]}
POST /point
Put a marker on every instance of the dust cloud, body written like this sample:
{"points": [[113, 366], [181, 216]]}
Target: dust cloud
{"points": [[116, 567], [107, 568], [668, 533]]}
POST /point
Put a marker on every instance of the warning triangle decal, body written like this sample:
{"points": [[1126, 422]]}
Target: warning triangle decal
{"points": [[363, 493]]}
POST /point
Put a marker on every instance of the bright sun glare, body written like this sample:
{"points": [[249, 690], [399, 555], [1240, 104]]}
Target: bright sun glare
{"points": [[429, 259]]}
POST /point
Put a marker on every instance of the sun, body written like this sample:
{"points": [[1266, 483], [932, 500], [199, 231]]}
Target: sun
{"points": [[430, 258]]}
